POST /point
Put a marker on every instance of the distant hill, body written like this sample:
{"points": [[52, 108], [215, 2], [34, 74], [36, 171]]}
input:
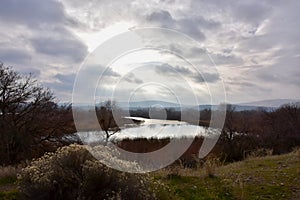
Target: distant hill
{"points": [[267, 105], [275, 103], [237, 107], [146, 104]]}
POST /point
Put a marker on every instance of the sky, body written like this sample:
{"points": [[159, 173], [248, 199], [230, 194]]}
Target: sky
{"points": [[243, 50]]}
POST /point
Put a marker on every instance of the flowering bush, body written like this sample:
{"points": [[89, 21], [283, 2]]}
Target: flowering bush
{"points": [[73, 173]]}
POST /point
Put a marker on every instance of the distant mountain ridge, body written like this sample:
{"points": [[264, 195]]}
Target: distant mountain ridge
{"points": [[267, 105], [270, 102], [148, 103], [264, 104]]}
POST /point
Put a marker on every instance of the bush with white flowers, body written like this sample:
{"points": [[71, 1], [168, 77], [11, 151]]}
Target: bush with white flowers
{"points": [[73, 173]]}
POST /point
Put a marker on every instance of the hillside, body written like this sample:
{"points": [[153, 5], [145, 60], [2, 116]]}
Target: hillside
{"points": [[272, 177]]}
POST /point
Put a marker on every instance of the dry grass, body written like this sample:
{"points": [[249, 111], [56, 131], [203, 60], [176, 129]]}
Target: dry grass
{"points": [[296, 150], [262, 152], [207, 168], [210, 166], [8, 172], [11, 171]]}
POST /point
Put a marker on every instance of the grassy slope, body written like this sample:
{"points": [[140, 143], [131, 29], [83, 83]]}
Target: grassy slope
{"points": [[273, 177]]}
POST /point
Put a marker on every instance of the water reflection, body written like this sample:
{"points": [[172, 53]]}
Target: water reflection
{"points": [[150, 128]]}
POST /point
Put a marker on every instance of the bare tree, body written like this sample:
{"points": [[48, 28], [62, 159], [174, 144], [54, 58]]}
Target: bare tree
{"points": [[28, 115], [106, 118], [229, 128]]}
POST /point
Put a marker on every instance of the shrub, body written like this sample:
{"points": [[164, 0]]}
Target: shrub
{"points": [[73, 173]]}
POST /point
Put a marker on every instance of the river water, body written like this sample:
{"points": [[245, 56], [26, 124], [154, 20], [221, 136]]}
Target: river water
{"points": [[150, 128]]}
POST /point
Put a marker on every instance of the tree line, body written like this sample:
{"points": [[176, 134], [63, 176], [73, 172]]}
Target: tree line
{"points": [[32, 122]]}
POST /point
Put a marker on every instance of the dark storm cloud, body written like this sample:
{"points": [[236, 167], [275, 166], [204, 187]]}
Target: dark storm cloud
{"points": [[175, 48], [60, 46], [285, 72], [131, 78], [202, 22], [191, 26], [197, 77], [57, 86], [268, 77], [66, 78], [105, 75], [109, 72], [47, 25], [162, 17], [192, 31], [13, 55], [33, 12], [171, 48], [245, 85], [28, 69], [253, 12], [167, 69], [196, 51], [65, 82], [224, 58], [206, 77]]}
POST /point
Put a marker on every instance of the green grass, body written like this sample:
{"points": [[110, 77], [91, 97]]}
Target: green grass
{"points": [[272, 177], [185, 187], [9, 195], [7, 180], [8, 188]]}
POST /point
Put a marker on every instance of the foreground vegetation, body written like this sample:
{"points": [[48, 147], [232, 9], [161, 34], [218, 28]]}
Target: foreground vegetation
{"points": [[269, 177], [8, 182]]}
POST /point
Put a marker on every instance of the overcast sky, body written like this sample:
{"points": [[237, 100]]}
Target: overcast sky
{"points": [[255, 46]]}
